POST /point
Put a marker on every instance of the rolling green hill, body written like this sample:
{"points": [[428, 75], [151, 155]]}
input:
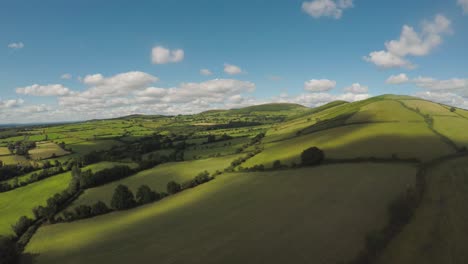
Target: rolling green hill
{"points": [[266, 208]]}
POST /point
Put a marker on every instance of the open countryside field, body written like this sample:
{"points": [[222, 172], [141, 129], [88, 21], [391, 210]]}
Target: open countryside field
{"points": [[95, 145], [310, 215], [46, 150], [428, 108], [21, 201], [157, 178], [384, 111], [406, 140], [455, 128], [437, 232]]}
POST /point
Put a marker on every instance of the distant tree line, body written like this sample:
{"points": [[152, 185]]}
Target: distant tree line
{"points": [[234, 124]]}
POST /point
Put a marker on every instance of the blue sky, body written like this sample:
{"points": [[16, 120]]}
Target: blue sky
{"points": [[307, 52]]}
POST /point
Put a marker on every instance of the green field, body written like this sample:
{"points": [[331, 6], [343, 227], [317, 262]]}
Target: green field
{"points": [[437, 232], [455, 128], [428, 108], [406, 140], [96, 145], [45, 150], [21, 201], [157, 178], [384, 111], [295, 216]]}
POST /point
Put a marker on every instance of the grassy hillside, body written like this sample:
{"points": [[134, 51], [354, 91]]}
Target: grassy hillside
{"points": [[21, 201], [439, 229], [157, 177], [297, 216]]}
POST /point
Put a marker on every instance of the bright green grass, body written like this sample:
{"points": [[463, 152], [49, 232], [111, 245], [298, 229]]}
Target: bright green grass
{"points": [[21, 201], [96, 145], [385, 111], [46, 150], [4, 151], [407, 140], [310, 215], [216, 149], [14, 159], [426, 107], [438, 232], [455, 128], [157, 178]]}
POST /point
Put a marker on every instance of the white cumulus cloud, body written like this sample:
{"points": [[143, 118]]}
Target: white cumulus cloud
{"points": [[206, 72], [321, 85], [11, 103], [397, 79], [162, 55], [326, 8], [16, 45], [411, 43], [232, 69], [44, 90], [357, 88]]}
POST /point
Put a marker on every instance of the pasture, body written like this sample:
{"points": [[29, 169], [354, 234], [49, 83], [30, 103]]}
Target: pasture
{"points": [[21, 201], [157, 178], [437, 232], [45, 150], [406, 140], [309, 215]]}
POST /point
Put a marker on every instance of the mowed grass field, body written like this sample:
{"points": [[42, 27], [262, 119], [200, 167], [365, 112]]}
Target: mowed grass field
{"points": [[4, 151], [21, 201], [157, 178], [308, 215], [384, 111], [428, 108], [382, 140], [455, 128], [437, 232], [45, 150], [14, 159]]}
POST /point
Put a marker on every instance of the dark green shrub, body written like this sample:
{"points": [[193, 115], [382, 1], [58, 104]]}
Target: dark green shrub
{"points": [[173, 187], [123, 198], [22, 225], [146, 195], [312, 156]]}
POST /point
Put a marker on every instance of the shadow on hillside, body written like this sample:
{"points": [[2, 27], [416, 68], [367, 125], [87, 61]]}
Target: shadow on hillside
{"points": [[28, 258]]}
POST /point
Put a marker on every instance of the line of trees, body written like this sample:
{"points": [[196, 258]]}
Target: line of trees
{"points": [[124, 199]]}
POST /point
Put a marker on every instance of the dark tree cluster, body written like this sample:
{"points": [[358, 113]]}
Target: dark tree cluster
{"points": [[89, 179], [10, 171], [201, 178], [21, 147], [312, 156], [84, 211], [37, 176], [22, 225]]}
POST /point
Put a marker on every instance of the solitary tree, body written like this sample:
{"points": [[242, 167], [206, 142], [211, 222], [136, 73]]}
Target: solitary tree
{"points": [[123, 198], [312, 156]]}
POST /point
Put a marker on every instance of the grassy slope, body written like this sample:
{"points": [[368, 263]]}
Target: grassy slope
{"points": [[437, 233], [46, 150], [407, 140], [453, 127], [310, 215], [21, 201], [157, 178]]}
